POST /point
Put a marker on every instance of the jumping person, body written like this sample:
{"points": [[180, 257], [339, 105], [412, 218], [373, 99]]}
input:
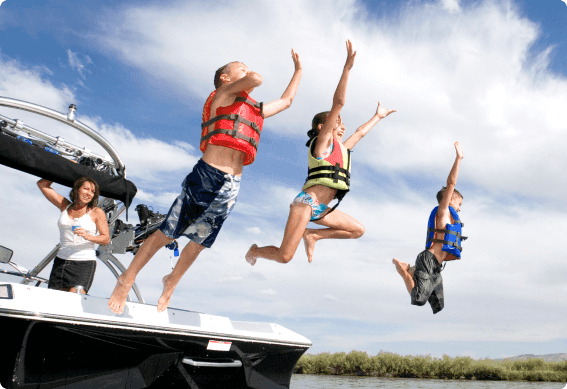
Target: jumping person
{"points": [[229, 141], [423, 281], [328, 178], [78, 224]]}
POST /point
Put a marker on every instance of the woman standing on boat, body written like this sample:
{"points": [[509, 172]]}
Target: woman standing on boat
{"points": [[80, 220], [328, 178]]}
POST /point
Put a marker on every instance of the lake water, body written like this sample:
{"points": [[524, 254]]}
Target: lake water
{"points": [[306, 381]]}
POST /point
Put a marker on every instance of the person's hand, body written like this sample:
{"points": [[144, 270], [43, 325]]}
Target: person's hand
{"points": [[460, 154], [296, 61], [383, 112], [81, 232], [350, 55]]}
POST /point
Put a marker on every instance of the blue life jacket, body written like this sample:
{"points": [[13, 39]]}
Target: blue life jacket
{"points": [[452, 234]]}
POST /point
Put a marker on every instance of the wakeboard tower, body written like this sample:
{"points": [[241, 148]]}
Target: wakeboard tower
{"points": [[55, 339]]}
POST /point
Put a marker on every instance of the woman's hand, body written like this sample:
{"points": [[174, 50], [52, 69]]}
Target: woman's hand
{"points": [[350, 55], [80, 231]]}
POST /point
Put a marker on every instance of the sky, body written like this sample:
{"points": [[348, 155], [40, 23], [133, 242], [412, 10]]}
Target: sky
{"points": [[490, 74]]}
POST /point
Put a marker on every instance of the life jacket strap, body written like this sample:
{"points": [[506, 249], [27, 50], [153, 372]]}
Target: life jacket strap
{"points": [[259, 105], [453, 244], [334, 175], [237, 119], [445, 232], [233, 133]]}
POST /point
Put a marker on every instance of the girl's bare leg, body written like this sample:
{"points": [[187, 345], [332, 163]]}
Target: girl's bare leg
{"points": [[341, 226], [299, 216]]}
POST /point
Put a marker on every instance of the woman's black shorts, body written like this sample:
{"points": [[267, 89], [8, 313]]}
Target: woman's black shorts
{"points": [[67, 274]]}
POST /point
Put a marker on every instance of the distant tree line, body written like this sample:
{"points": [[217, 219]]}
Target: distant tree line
{"points": [[393, 365]]}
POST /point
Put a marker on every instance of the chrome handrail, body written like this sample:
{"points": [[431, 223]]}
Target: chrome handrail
{"points": [[68, 119], [189, 361]]}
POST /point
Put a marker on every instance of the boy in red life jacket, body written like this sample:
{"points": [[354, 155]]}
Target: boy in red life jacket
{"points": [[231, 128], [423, 281]]}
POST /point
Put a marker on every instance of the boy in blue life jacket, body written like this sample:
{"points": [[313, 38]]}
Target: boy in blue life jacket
{"points": [[443, 243]]}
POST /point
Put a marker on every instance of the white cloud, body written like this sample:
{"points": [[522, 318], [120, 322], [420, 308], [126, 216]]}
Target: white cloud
{"points": [[331, 298], [77, 64], [451, 5], [269, 292], [463, 76], [254, 230]]}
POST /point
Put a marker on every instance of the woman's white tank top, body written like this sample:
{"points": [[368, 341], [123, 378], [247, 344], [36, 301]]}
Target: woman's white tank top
{"points": [[74, 247]]}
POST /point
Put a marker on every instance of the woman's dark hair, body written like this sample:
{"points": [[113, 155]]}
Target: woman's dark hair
{"points": [[320, 118], [74, 194]]}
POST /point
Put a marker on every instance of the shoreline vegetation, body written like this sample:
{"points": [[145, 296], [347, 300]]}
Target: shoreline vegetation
{"points": [[387, 364]]}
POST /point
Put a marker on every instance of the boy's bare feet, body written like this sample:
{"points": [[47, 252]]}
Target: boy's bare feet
{"points": [[168, 288], [120, 294], [250, 258], [401, 266], [309, 242]]}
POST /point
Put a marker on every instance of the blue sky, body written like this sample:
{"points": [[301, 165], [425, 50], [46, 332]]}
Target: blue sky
{"points": [[492, 75]]}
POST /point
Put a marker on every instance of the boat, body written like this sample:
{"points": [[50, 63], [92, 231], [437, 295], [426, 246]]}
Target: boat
{"points": [[56, 339]]}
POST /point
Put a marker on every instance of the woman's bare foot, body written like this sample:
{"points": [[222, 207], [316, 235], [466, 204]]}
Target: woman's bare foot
{"points": [[250, 258], [120, 294], [168, 288], [309, 242]]}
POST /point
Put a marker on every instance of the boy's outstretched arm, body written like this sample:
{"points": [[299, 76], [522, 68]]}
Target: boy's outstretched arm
{"points": [[380, 114], [284, 102], [339, 98], [443, 210]]}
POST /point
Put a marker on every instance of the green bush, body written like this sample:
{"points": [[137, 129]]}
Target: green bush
{"points": [[386, 364]]}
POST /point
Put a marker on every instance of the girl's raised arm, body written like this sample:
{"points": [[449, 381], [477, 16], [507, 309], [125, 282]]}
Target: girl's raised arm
{"points": [[380, 114], [326, 133]]}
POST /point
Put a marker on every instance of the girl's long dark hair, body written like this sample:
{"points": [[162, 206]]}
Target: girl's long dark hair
{"points": [[74, 194], [320, 118]]}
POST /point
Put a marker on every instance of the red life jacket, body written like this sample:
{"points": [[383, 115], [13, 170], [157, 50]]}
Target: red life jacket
{"points": [[237, 126]]}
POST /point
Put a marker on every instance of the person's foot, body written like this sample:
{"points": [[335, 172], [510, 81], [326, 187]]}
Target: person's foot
{"points": [[250, 258], [401, 267], [120, 294], [168, 288], [309, 242]]}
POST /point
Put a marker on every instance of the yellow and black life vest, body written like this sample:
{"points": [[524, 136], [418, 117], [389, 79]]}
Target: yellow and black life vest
{"points": [[332, 171]]}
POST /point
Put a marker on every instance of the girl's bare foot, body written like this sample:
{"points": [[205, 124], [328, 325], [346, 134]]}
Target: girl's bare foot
{"points": [[168, 288], [118, 298], [309, 242], [250, 258]]}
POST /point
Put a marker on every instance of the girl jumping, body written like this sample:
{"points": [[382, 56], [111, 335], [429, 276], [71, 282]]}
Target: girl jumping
{"points": [[328, 178]]}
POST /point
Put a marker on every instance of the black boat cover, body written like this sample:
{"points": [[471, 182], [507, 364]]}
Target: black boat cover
{"points": [[34, 160]]}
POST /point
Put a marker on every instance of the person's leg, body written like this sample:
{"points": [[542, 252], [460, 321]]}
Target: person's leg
{"points": [[405, 272], [341, 226], [73, 290], [436, 300], [118, 298], [299, 216], [426, 266], [170, 281]]}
